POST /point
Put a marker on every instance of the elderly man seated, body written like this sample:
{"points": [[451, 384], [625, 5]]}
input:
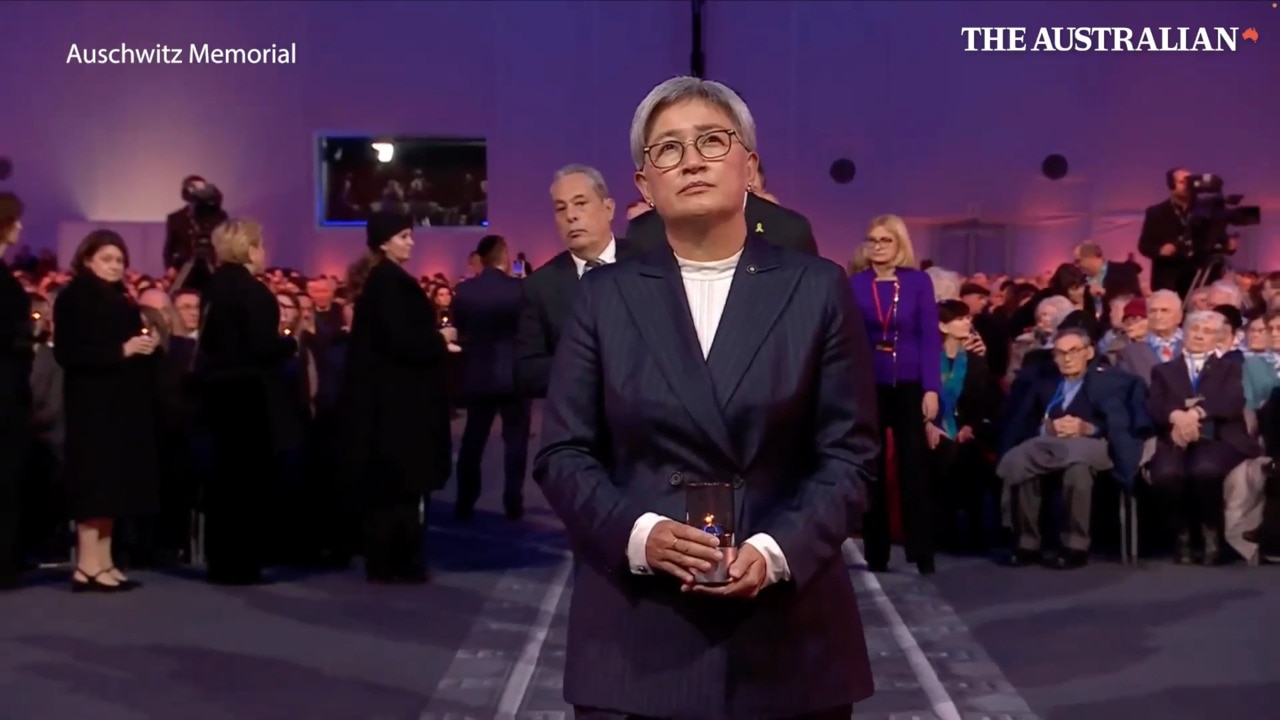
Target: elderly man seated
{"points": [[1198, 404], [1074, 424], [1163, 339]]}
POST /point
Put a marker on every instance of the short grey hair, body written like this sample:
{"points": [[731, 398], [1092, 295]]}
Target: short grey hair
{"points": [[597, 180], [1229, 288], [1073, 332], [1169, 295], [1058, 305], [680, 89], [946, 283], [1215, 320]]}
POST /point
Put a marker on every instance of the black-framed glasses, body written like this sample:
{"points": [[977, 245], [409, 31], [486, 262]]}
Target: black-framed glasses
{"points": [[710, 145], [1073, 352], [879, 241]]}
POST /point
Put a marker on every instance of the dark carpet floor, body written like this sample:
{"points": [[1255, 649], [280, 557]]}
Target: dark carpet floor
{"points": [[486, 640]]}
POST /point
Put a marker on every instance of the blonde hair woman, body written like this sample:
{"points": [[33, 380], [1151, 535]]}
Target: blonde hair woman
{"points": [[901, 317], [240, 363]]}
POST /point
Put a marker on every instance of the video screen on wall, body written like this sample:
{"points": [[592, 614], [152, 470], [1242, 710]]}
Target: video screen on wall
{"points": [[439, 182]]}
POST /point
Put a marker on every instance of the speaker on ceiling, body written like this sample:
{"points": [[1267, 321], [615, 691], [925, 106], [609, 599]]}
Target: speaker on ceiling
{"points": [[1054, 166], [843, 171]]}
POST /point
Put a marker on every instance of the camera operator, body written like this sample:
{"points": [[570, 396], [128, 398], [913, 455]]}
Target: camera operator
{"points": [[187, 248], [1180, 244]]}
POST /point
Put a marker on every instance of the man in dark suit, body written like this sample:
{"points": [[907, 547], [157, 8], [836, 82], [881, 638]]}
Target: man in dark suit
{"points": [[1166, 238], [781, 226], [486, 313], [1197, 402], [1073, 422], [1107, 280], [673, 398], [584, 215]]}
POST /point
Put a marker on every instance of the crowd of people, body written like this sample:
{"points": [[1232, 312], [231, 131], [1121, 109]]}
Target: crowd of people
{"points": [[92, 443], [132, 405]]}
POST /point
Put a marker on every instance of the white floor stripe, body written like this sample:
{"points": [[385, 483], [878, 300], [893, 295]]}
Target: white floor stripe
{"points": [[943, 706], [522, 674]]}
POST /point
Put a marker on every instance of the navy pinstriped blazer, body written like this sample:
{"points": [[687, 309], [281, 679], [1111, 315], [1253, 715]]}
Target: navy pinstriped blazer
{"points": [[784, 406]]}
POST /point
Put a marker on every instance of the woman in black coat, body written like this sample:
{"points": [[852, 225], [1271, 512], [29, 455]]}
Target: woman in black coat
{"points": [[109, 393], [15, 390], [394, 407], [240, 358]]}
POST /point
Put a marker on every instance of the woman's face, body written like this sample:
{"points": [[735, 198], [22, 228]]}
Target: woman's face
{"points": [[107, 263], [959, 329], [1273, 330], [1257, 339], [701, 170], [1076, 295], [443, 297], [399, 247], [882, 246], [1044, 319], [288, 312]]}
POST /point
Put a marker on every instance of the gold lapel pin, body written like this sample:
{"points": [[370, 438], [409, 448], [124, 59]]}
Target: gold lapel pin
{"points": [[759, 227]]}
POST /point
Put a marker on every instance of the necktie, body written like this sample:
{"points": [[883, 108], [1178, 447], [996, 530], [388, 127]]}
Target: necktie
{"points": [[591, 265]]}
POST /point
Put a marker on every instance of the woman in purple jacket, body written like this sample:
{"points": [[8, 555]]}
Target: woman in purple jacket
{"points": [[901, 317]]}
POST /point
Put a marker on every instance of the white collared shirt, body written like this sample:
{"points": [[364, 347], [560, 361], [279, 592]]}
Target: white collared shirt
{"points": [[608, 256], [706, 285]]}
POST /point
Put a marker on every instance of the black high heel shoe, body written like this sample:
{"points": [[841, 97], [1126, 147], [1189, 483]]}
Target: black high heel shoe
{"points": [[90, 584], [123, 583]]}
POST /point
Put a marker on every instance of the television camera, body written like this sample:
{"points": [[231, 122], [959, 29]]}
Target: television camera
{"points": [[1211, 212], [206, 215]]}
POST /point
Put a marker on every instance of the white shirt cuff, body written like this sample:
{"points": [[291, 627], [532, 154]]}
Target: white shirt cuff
{"points": [[637, 558], [775, 562]]}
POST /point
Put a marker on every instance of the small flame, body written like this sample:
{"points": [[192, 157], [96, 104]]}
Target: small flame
{"points": [[35, 315], [146, 331], [708, 519]]}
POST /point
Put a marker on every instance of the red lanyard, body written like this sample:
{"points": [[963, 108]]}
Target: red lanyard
{"points": [[884, 315]]}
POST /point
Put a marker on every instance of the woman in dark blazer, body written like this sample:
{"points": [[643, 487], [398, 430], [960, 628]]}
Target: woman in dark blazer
{"points": [[240, 357], [395, 410], [962, 435], [901, 317], [111, 377], [15, 389]]}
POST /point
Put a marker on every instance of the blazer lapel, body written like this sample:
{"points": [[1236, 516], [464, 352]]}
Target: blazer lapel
{"points": [[660, 310], [761, 289]]}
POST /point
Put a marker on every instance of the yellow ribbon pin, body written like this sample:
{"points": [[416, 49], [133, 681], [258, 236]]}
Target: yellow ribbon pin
{"points": [[759, 227]]}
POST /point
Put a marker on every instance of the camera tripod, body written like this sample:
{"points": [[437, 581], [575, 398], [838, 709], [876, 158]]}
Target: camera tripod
{"points": [[188, 268], [1201, 279]]}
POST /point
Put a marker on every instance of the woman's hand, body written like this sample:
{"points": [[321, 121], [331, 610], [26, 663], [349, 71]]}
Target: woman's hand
{"points": [[139, 345], [929, 406], [932, 435]]}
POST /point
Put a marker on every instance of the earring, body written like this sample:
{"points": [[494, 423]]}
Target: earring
{"points": [[650, 203], [751, 188]]}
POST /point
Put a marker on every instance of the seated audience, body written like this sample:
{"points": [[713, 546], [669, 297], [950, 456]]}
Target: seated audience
{"points": [[1163, 338], [1197, 402], [962, 434], [1128, 326], [1070, 425], [1049, 314]]}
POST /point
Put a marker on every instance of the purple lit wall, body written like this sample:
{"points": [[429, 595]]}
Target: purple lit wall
{"points": [[936, 132]]}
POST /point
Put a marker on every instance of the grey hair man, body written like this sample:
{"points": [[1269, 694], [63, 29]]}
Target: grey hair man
{"points": [[1197, 403], [584, 215], [1075, 425]]}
